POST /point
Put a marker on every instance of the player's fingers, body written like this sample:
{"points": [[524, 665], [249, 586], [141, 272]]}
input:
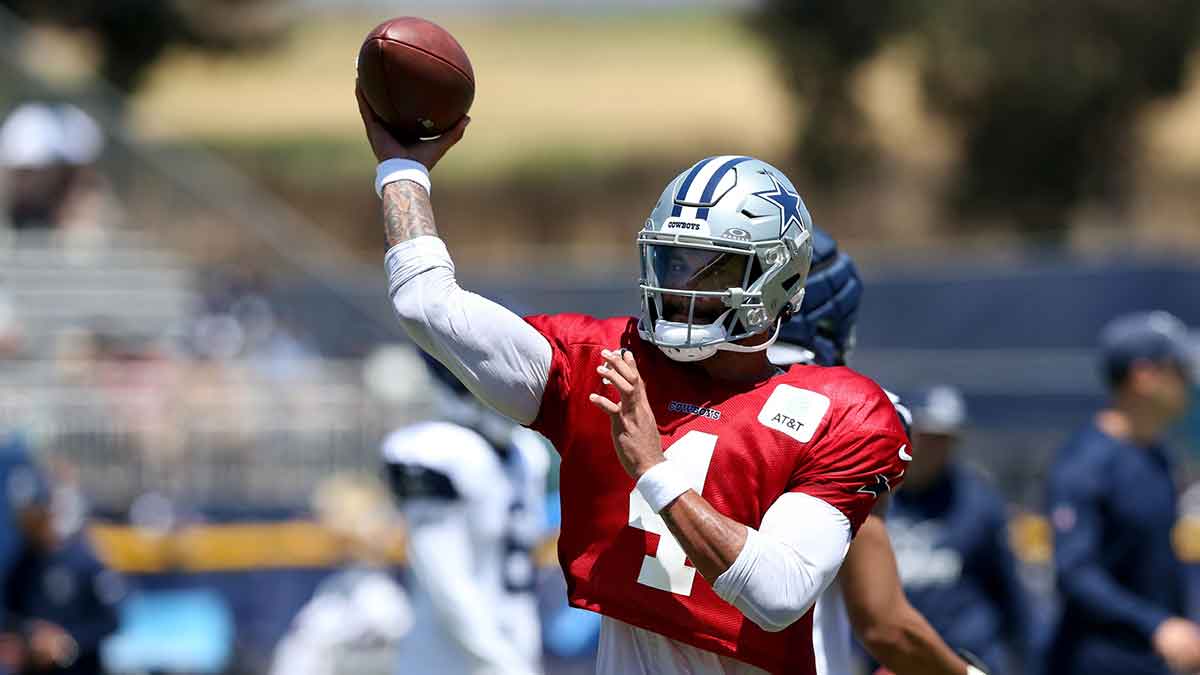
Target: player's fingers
{"points": [[382, 143], [455, 133], [622, 362], [604, 404], [364, 109], [449, 137], [630, 362], [611, 376], [358, 96], [431, 152]]}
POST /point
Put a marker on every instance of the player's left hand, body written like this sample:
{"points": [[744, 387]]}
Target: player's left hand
{"points": [[634, 430]]}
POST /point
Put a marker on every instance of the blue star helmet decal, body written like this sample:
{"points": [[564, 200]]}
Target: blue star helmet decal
{"points": [[788, 203]]}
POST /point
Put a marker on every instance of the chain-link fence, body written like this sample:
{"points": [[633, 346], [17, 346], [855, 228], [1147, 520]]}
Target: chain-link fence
{"points": [[204, 435]]}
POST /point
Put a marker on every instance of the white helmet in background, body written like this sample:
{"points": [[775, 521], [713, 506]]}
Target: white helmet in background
{"points": [[38, 135], [724, 254]]}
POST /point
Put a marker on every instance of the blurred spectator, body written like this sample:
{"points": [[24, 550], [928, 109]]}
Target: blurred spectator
{"points": [[51, 626], [357, 615], [239, 322], [948, 526], [1113, 506], [24, 501], [63, 596], [12, 337], [48, 154]]}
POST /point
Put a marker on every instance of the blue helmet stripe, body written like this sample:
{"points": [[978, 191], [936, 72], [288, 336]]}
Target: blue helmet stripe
{"points": [[681, 194], [714, 182]]}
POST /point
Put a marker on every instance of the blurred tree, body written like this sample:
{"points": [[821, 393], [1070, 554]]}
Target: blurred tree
{"points": [[1045, 94], [132, 34], [819, 45]]}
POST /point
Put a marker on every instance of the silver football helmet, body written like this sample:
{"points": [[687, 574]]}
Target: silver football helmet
{"points": [[724, 253]]}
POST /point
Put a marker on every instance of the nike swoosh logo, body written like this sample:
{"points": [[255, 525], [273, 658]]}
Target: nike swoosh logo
{"points": [[904, 455]]}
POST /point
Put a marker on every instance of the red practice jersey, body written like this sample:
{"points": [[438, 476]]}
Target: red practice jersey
{"points": [[827, 432]]}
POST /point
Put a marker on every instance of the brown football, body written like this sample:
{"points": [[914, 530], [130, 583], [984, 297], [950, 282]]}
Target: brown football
{"points": [[416, 77]]}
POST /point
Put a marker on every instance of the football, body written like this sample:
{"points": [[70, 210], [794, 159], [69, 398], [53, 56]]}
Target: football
{"points": [[416, 77]]}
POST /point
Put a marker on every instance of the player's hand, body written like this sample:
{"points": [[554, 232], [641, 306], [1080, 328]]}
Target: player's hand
{"points": [[1177, 641], [50, 645], [634, 430], [385, 146]]}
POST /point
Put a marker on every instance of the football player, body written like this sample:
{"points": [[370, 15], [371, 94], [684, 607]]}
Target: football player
{"points": [[949, 527], [867, 592], [1113, 506], [472, 489], [708, 496]]}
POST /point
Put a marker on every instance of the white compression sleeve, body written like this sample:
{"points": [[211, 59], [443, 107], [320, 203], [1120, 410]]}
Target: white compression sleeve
{"points": [[495, 353], [787, 563]]}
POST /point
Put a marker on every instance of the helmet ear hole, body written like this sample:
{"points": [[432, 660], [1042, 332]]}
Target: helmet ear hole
{"points": [[754, 271], [788, 311]]}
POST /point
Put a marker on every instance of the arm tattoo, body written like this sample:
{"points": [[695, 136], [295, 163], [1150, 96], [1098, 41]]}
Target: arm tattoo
{"points": [[407, 213]]}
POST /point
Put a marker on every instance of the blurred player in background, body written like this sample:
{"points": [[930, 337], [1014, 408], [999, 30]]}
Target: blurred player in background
{"points": [[949, 529], [472, 489], [680, 440], [1113, 505], [867, 593]]}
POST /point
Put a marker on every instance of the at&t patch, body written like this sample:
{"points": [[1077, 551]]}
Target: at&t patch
{"points": [[794, 411]]}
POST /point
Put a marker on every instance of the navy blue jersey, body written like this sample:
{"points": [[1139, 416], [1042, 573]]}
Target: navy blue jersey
{"points": [[69, 587], [952, 549], [22, 486], [1113, 506]]}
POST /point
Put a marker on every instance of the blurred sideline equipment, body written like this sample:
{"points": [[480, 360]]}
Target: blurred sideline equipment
{"points": [[724, 255], [822, 333], [1113, 505], [471, 489], [948, 527], [357, 615], [173, 631], [416, 77]]}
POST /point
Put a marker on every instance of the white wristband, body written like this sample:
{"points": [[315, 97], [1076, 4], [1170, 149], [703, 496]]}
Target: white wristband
{"points": [[972, 670], [661, 485], [392, 170]]}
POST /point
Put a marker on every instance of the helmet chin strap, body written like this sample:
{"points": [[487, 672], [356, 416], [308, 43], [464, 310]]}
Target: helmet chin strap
{"points": [[694, 354], [746, 349]]}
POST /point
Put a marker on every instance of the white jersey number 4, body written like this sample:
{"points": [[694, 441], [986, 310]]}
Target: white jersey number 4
{"points": [[665, 570]]}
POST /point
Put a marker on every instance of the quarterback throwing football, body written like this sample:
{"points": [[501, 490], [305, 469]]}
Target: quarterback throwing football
{"points": [[708, 496]]}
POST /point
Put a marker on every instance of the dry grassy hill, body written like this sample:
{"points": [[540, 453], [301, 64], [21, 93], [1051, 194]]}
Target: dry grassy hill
{"points": [[578, 122], [602, 88]]}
